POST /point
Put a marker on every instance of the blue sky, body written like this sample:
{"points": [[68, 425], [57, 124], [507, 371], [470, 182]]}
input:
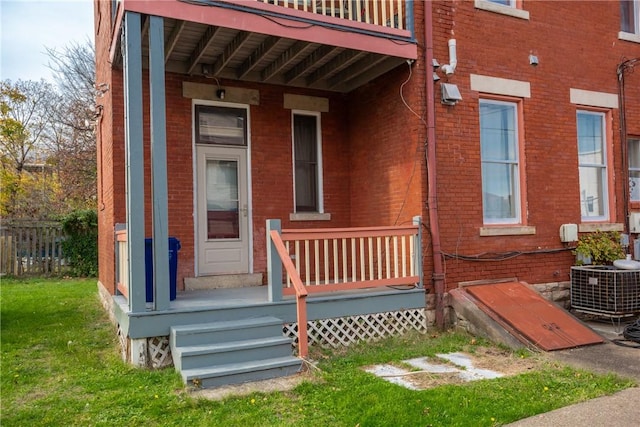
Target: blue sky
{"points": [[28, 26]]}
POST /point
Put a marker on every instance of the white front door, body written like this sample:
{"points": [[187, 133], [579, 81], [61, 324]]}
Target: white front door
{"points": [[223, 222]]}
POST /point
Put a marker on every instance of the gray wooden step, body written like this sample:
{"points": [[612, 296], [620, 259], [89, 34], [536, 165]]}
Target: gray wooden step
{"points": [[232, 330], [232, 352], [237, 373], [197, 356]]}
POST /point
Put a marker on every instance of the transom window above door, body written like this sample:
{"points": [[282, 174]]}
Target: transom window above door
{"points": [[220, 125]]}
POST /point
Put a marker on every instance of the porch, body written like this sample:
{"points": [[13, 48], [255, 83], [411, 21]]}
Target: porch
{"points": [[326, 286], [369, 277]]}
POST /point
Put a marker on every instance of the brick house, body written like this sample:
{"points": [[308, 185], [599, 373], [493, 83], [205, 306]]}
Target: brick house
{"points": [[405, 143]]}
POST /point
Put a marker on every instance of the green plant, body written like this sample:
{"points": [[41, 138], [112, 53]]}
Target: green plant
{"points": [[80, 246], [601, 247]]}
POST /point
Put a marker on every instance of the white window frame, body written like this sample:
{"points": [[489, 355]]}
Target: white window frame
{"points": [[517, 181], [510, 3], [320, 190], [602, 167], [634, 35], [633, 184], [510, 10]]}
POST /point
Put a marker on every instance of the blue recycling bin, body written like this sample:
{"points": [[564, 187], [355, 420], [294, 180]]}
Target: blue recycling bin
{"points": [[174, 247]]}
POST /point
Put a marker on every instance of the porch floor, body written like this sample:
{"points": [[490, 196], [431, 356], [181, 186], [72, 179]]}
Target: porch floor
{"points": [[211, 305], [222, 298]]}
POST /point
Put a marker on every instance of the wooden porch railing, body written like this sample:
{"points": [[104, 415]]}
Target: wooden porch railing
{"points": [[329, 260], [122, 263], [386, 13], [300, 292]]}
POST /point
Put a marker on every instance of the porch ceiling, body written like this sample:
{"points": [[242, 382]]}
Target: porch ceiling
{"points": [[197, 49]]}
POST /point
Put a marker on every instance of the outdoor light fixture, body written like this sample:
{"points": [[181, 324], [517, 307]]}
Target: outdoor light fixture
{"points": [[220, 93]]}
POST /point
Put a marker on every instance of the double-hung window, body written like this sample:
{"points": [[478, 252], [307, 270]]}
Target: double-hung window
{"points": [[307, 155], [630, 16], [500, 157], [634, 169], [592, 166]]}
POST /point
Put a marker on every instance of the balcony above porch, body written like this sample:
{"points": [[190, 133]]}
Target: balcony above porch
{"points": [[335, 45]]}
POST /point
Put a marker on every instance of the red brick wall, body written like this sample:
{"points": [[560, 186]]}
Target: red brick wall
{"points": [[577, 46], [272, 181], [108, 197], [374, 140]]}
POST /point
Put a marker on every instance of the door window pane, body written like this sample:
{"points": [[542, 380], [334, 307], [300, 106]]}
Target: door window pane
{"points": [[221, 125], [222, 199]]}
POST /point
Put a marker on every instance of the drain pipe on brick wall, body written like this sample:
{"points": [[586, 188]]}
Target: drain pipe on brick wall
{"points": [[432, 199], [624, 67]]}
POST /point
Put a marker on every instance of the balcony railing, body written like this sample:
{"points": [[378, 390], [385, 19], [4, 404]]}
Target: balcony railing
{"points": [[387, 13]]}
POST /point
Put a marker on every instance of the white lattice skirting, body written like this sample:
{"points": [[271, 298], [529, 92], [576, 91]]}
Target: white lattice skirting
{"points": [[343, 331], [159, 352], [156, 351]]}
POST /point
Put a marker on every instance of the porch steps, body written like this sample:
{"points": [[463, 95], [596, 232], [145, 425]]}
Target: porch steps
{"points": [[231, 352]]}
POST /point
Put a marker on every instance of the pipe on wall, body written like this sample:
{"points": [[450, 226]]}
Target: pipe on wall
{"points": [[432, 200], [622, 68]]}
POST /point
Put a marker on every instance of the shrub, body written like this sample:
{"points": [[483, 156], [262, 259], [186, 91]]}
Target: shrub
{"points": [[602, 247], [80, 246]]}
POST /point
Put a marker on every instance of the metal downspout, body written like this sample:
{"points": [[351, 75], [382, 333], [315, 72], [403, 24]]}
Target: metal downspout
{"points": [[432, 200], [621, 69]]}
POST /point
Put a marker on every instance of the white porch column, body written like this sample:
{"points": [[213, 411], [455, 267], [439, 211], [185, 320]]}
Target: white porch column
{"points": [[159, 196], [134, 161]]}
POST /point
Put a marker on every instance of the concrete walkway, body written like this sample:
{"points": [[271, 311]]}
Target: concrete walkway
{"points": [[621, 409]]}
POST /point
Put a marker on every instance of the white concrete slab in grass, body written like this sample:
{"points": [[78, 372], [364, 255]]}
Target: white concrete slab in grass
{"points": [[392, 374], [463, 368], [470, 372]]}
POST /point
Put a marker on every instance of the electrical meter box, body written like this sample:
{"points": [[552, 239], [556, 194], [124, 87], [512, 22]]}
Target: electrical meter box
{"points": [[569, 233], [634, 222]]}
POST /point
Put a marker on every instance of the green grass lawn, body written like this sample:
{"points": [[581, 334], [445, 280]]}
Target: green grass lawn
{"points": [[61, 366]]}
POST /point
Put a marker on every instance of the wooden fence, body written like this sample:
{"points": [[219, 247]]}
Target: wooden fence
{"points": [[31, 248]]}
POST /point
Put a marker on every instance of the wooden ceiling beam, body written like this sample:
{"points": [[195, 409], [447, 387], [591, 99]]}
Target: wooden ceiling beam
{"points": [[287, 57], [339, 63], [360, 67], [203, 44], [383, 65], [256, 56], [308, 62], [230, 50], [173, 40]]}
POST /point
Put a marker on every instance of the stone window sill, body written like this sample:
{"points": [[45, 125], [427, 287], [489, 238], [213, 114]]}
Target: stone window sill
{"points": [[517, 230], [309, 216], [602, 226]]}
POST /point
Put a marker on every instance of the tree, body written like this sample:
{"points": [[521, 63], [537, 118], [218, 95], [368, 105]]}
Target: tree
{"points": [[48, 143], [24, 107], [71, 137]]}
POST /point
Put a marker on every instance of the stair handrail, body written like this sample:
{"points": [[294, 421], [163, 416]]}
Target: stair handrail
{"points": [[301, 292]]}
